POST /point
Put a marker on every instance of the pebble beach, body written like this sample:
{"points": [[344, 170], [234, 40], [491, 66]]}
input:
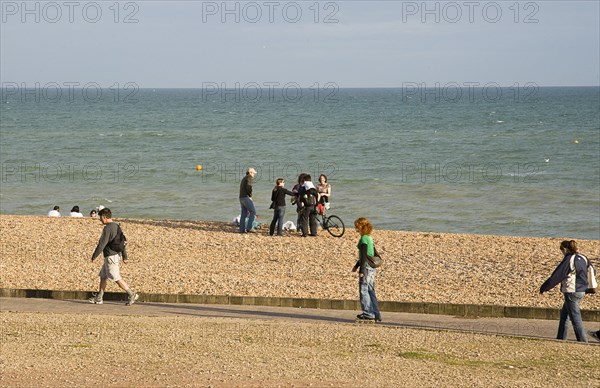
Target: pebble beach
{"points": [[63, 349], [201, 257]]}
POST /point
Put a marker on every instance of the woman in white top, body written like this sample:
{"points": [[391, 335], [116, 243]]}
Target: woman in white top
{"points": [[324, 190], [75, 212], [54, 212]]}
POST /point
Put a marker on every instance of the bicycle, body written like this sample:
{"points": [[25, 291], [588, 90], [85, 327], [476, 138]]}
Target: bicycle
{"points": [[333, 224]]}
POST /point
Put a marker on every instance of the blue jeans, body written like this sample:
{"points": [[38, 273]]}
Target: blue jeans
{"points": [[570, 309], [278, 214], [247, 207], [368, 299]]}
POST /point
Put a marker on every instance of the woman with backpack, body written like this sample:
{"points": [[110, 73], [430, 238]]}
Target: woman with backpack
{"points": [[572, 273]]}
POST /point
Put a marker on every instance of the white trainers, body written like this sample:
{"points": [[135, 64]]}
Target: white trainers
{"points": [[132, 299], [327, 205], [95, 299]]}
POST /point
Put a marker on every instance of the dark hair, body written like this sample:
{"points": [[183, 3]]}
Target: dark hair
{"points": [[301, 177], [324, 176], [106, 213], [307, 178], [93, 212], [569, 245], [75, 209], [56, 207]]}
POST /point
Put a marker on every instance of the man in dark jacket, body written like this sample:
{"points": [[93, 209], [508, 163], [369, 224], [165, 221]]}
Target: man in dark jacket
{"points": [[246, 202], [308, 197], [112, 251]]}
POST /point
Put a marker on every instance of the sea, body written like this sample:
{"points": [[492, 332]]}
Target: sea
{"points": [[521, 160]]}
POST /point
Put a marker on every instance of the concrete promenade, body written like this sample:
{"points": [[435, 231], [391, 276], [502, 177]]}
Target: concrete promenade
{"points": [[535, 328]]}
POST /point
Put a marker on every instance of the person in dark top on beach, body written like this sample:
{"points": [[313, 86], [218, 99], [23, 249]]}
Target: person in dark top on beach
{"points": [[572, 273], [247, 205], [308, 198], [112, 254], [295, 201], [278, 204]]}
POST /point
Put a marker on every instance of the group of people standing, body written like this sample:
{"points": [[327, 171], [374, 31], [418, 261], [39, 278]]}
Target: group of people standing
{"points": [[305, 195]]}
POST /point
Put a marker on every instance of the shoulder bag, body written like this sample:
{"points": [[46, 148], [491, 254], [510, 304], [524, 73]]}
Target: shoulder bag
{"points": [[375, 261]]}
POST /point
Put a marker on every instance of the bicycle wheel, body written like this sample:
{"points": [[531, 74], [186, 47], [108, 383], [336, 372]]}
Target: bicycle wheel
{"points": [[335, 226]]}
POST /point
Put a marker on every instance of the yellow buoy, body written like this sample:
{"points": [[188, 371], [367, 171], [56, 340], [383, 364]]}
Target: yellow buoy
{"points": [[198, 167], [576, 141]]}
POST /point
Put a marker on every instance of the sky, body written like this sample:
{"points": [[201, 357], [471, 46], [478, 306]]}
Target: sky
{"points": [[192, 44]]}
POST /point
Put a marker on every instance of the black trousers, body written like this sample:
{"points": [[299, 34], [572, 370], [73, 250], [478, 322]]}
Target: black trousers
{"points": [[308, 219]]}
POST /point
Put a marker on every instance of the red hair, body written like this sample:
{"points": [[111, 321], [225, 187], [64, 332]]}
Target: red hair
{"points": [[363, 225]]}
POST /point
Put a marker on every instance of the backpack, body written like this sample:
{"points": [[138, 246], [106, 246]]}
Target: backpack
{"points": [[309, 198], [118, 243]]}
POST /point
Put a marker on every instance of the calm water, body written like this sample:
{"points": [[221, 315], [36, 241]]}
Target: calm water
{"points": [[509, 161]]}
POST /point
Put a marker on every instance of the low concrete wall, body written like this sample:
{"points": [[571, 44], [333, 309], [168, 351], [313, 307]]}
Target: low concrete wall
{"points": [[462, 310]]}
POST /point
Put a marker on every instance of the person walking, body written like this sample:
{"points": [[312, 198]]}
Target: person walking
{"points": [[110, 245], [247, 205], [366, 274], [571, 273]]}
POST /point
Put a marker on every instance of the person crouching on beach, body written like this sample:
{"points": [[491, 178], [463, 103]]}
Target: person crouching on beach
{"points": [[112, 250], [572, 274], [366, 274]]}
